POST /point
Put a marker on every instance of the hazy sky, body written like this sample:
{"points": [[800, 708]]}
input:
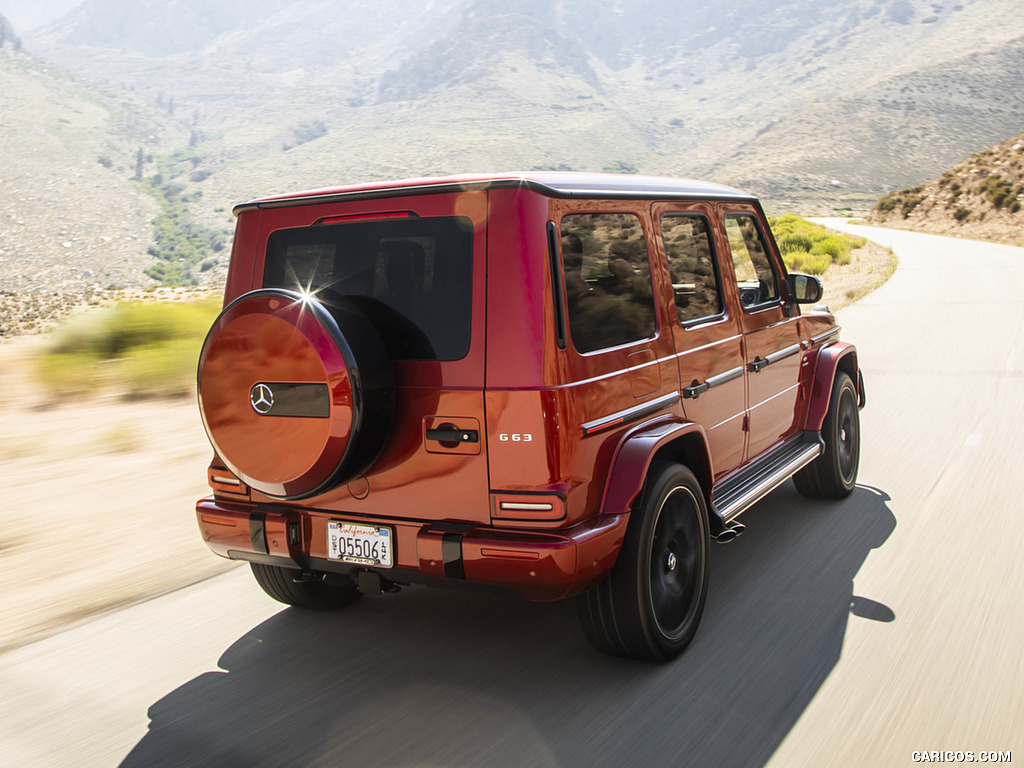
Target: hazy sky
{"points": [[25, 15]]}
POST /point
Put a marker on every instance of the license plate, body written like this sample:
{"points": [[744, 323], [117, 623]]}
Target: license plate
{"points": [[362, 544]]}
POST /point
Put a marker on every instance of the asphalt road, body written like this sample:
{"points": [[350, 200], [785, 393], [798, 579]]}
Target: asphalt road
{"points": [[846, 634]]}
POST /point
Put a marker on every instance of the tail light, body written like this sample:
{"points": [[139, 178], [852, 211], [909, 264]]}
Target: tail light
{"points": [[222, 480], [527, 507]]}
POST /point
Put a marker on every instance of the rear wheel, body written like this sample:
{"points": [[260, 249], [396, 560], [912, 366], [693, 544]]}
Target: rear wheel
{"points": [[318, 595], [650, 604], [833, 475]]}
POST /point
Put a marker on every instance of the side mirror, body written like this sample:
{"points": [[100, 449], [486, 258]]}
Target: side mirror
{"points": [[804, 289]]}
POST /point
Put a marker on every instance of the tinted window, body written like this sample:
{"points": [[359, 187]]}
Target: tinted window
{"points": [[691, 265], [607, 280], [755, 275], [413, 278]]}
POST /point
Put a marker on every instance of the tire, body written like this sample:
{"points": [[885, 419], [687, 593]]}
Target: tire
{"points": [[649, 605], [314, 594], [833, 475]]}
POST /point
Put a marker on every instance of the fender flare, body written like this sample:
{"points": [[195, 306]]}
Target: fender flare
{"points": [[840, 356], [636, 451]]}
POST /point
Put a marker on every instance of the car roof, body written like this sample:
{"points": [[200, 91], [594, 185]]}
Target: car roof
{"points": [[550, 183]]}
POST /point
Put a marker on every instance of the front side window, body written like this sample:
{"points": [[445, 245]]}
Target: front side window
{"points": [[413, 278], [758, 282], [608, 290], [691, 266]]}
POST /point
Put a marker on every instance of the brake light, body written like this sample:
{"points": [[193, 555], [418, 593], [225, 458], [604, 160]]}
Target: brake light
{"points": [[367, 217]]}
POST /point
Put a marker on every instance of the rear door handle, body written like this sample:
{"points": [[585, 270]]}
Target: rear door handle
{"points": [[758, 365], [695, 390], [454, 435]]}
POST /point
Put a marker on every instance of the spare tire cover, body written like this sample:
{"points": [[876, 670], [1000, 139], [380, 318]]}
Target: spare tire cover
{"points": [[295, 398]]}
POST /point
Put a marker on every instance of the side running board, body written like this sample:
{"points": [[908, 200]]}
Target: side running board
{"points": [[738, 493]]}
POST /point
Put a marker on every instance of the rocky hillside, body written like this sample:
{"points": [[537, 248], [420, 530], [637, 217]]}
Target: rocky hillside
{"points": [[176, 111], [68, 216], [72, 222], [982, 198], [809, 102]]}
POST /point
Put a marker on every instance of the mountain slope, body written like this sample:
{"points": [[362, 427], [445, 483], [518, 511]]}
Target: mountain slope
{"points": [[815, 104], [69, 217]]}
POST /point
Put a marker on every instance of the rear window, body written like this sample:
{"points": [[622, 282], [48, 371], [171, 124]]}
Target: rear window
{"points": [[413, 278]]}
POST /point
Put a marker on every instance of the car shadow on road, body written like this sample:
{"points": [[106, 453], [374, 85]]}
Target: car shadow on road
{"points": [[438, 677]]}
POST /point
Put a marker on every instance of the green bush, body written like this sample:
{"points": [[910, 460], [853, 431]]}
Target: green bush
{"points": [[909, 203], [998, 190], [70, 374], [906, 199], [817, 263], [833, 245], [808, 247], [795, 242], [621, 166], [178, 242], [162, 369], [138, 349], [886, 204], [795, 260]]}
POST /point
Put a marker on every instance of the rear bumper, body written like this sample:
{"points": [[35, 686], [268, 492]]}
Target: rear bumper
{"points": [[540, 565]]}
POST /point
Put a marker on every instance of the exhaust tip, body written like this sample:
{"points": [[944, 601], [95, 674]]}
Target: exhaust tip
{"points": [[730, 533]]}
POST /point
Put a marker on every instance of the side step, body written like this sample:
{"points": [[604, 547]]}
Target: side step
{"points": [[738, 493]]}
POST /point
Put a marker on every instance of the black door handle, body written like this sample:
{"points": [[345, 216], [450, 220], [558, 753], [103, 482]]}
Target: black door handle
{"points": [[454, 435], [695, 390]]}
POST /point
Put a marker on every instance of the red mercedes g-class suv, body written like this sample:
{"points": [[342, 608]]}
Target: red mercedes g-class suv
{"points": [[563, 384]]}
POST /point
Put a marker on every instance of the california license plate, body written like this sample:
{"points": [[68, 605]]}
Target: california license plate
{"points": [[362, 544]]}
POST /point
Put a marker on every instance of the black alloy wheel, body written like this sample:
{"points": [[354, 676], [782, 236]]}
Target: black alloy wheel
{"points": [[676, 564], [847, 437], [649, 605], [833, 475]]}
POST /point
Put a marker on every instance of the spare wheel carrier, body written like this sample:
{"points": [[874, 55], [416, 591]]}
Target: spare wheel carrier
{"points": [[295, 397]]}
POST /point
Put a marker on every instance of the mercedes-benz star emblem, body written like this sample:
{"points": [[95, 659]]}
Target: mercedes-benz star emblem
{"points": [[262, 398]]}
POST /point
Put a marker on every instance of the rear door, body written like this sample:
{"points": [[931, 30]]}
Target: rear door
{"points": [[706, 330], [415, 266]]}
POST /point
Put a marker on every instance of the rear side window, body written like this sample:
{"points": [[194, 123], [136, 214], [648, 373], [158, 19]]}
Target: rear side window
{"points": [[413, 278], [692, 267], [607, 280]]}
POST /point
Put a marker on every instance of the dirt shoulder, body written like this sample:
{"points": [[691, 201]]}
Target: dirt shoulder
{"points": [[869, 267], [97, 496], [96, 501]]}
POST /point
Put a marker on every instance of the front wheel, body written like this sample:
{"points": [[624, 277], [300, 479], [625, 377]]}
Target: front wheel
{"points": [[649, 605], [833, 474], [280, 584]]}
